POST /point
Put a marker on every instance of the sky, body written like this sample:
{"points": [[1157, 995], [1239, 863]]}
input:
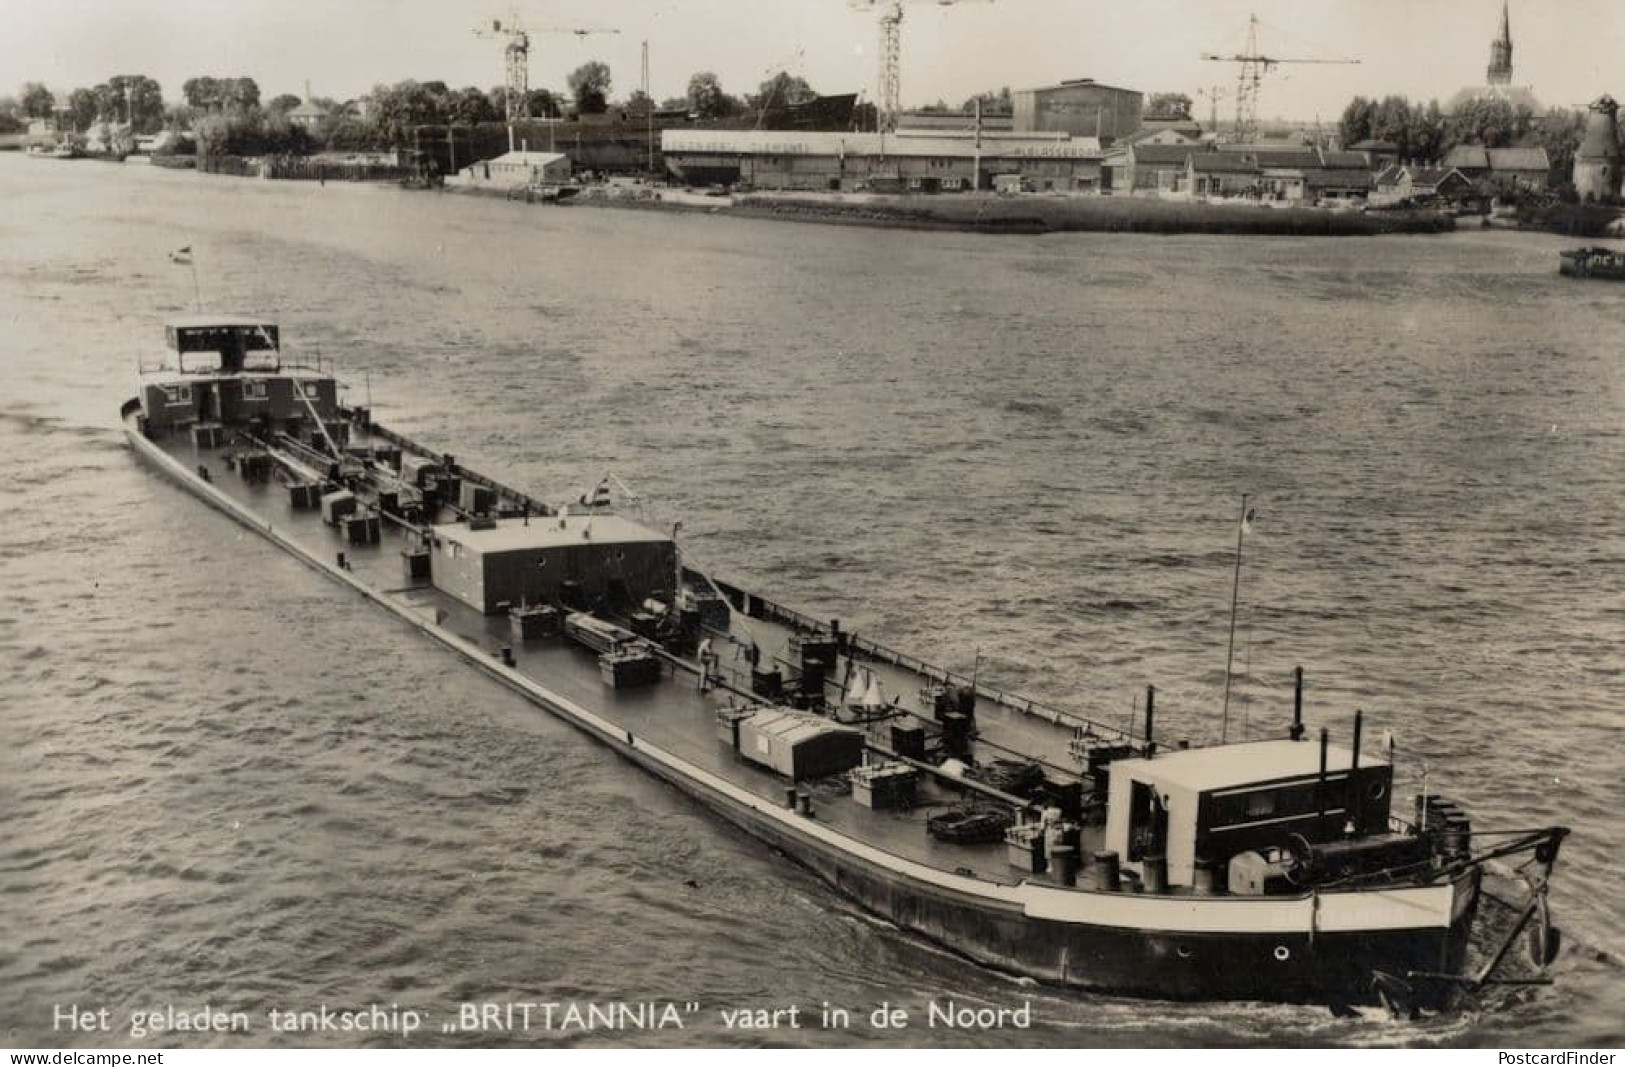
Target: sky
{"points": [[1567, 51]]}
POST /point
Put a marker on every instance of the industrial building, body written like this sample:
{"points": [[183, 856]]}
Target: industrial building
{"points": [[905, 161], [1081, 107]]}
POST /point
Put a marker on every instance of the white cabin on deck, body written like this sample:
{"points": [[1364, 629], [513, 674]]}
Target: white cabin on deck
{"points": [[213, 381], [1216, 803]]}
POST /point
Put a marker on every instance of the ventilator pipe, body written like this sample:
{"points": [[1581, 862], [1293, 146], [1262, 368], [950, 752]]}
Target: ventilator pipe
{"points": [[1150, 713], [1297, 705]]}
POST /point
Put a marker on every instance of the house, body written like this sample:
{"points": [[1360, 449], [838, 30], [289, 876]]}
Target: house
{"points": [[1473, 160], [1421, 183], [1150, 167], [1222, 174], [308, 114], [1337, 183], [1528, 167], [515, 170], [1283, 172]]}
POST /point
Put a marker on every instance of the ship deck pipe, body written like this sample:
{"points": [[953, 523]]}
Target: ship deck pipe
{"points": [[1354, 769], [1107, 875], [790, 794], [1320, 782], [1297, 704], [1150, 718], [1063, 865], [1154, 874]]}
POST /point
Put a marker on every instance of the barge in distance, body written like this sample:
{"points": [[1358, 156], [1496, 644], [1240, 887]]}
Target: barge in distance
{"points": [[1025, 838]]}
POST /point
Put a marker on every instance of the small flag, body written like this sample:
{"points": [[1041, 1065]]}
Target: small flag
{"points": [[599, 497], [1247, 520], [181, 257]]}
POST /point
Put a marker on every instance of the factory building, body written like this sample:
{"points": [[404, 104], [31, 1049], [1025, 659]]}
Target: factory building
{"points": [[918, 161], [1081, 107]]}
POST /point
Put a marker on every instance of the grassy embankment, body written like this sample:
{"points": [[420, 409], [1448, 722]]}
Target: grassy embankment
{"points": [[1039, 214]]}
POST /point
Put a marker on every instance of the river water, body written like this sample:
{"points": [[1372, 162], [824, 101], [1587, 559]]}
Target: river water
{"points": [[227, 783]]}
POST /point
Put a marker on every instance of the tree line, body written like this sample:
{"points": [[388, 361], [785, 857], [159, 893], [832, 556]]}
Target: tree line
{"points": [[227, 115], [1428, 132]]}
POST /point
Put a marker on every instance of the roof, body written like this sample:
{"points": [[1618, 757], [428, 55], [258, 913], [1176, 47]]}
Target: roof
{"points": [[236, 322], [1348, 160], [1434, 176], [1301, 158], [1468, 155], [793, 726], [1249, 763], [935, 143], [1371, 145], [1519, 159], [554, 531], [528, 159], [1340, 177], [1079, 83], [1163, 153], [1222, 163], [308, 110], [1391, 174]]}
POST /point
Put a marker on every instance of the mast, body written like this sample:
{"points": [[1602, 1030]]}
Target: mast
{"points": [[1235, 591]]}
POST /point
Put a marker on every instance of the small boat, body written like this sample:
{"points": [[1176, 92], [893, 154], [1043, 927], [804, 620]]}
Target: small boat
{"points": [[1595, 262], [1026, 838]]}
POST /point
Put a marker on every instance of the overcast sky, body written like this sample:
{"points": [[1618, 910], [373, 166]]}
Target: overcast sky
{"points": [[1568, 51]]}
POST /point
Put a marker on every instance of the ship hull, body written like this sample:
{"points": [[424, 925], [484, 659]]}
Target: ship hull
{"points": [[1323, 948]]}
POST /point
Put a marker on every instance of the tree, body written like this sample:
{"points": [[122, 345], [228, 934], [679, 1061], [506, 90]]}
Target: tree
{"points": [[705, 96], [216, 94], [36, 101], [398, 109], [673, 103], [1166, 106], [589, 85], [1559, 133], [545, 104], [1000, 102], [782, 90], [469, 106], [639, 102], [81, 109], [282, 104], [1355, 125], [1486, 120]]}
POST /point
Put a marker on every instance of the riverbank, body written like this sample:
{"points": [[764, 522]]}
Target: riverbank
{"points": [[1027, 214]]}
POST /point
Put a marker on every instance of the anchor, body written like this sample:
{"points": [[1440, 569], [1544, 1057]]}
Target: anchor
{"points": [[1398, 994]]}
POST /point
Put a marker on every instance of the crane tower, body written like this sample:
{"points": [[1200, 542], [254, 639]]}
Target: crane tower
{"points": [[1254, 65], [889, 91]]}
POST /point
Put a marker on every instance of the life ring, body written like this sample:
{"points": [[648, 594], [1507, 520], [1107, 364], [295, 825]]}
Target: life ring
{"points": [[1282, 953]]}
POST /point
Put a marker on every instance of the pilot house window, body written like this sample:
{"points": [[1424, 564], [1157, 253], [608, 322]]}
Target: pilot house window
{"points": [[312, 390], [178, 394], [253, 390]]}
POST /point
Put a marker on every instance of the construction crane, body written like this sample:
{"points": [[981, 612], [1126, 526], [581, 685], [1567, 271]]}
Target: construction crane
{"points": [[1214, 94], [516, 61], [888, 97], [515, 67], [1254, 65]]}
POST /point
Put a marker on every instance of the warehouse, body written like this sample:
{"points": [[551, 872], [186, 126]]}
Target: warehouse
{"points": [[1082, 107], [925, 161]]}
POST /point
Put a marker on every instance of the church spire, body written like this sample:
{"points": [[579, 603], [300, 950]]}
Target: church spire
{"points": [[1500, 71]]}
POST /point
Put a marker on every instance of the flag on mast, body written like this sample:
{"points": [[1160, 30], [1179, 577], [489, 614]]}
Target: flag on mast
{"points": [[1247, 520], [181, 257], [599, 497]]}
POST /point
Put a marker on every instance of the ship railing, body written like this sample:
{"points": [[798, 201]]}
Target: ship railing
{"points": [[537, 507], [760, 607]]}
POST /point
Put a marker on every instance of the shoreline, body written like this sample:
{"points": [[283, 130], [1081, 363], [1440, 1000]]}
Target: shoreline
{"points": [[1027, 215]]}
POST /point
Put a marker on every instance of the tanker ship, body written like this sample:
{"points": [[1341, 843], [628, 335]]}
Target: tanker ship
{"points": [[1024, 837]]}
